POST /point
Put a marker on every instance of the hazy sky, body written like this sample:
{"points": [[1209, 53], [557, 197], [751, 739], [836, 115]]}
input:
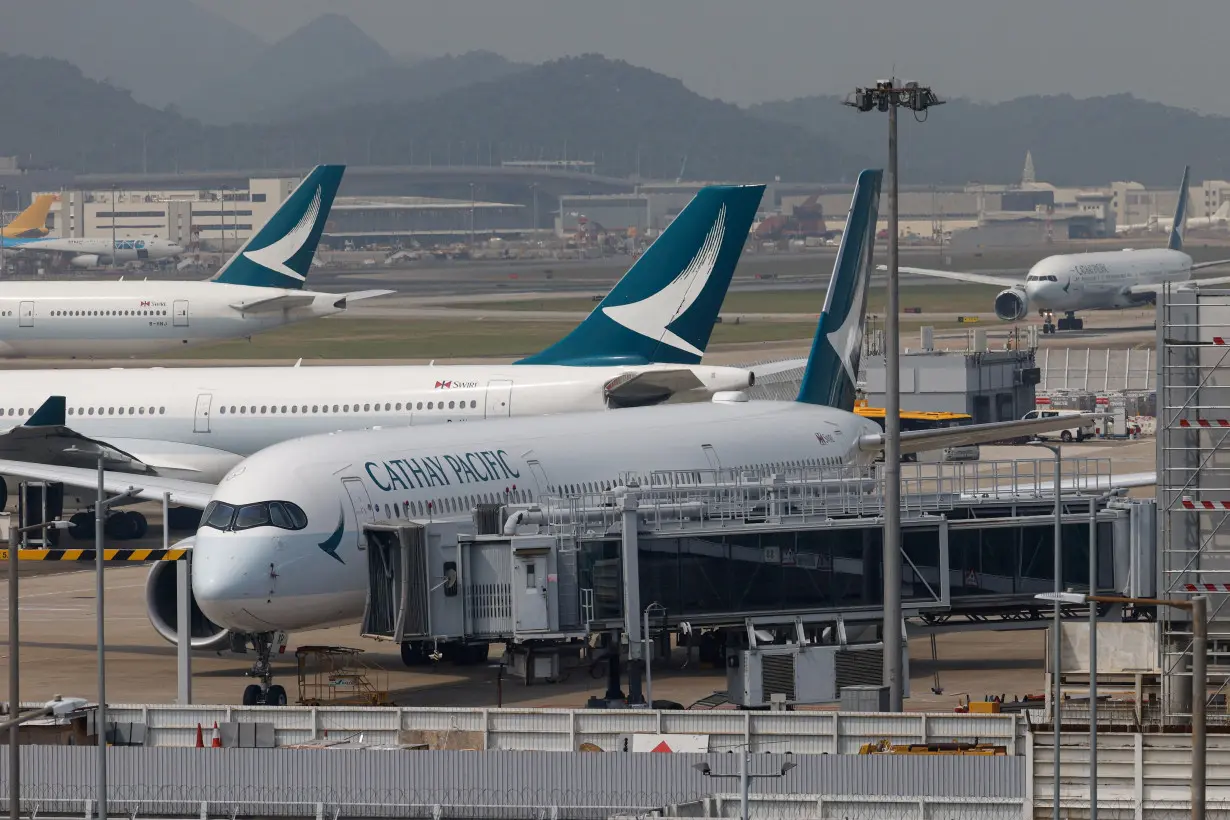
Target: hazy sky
{"points": [[753, 50]]}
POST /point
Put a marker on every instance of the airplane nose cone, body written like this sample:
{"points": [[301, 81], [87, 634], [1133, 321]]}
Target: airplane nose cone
{"points": [[227, 576]]}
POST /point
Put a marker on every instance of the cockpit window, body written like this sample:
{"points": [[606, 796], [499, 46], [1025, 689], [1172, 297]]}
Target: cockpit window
{"points": [[218, 515], [281, 514], [252, 515]]}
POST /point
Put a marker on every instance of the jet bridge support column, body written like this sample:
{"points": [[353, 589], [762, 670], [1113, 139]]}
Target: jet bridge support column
{"points": [[632, 597]]}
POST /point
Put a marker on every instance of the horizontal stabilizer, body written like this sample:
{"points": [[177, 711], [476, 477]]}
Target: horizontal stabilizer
{"points": [[285, 301], [360, 295], [650, 387], [917, 441]]}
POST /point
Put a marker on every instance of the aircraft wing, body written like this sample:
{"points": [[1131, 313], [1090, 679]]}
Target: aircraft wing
{"points": [[916, 441], [1140, 290], [193, 494], [1213, 264], [976, 278]]}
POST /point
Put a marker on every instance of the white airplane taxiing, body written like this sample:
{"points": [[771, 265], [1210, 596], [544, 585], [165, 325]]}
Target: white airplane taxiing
{"points": [[641, 345], [96, 252], [1106, 280], [282, 544], [260, 287]]}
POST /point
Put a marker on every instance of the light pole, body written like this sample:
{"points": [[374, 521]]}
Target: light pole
{"points": [[888, 95], [649, 654], [1056, 615], [1198, 607], [471, 216], [14, 543], [222, 223], [114, 254], [745, 779]]}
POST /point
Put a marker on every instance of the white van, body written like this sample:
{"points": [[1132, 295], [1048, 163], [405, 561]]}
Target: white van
{"points": [[1080, 430]]}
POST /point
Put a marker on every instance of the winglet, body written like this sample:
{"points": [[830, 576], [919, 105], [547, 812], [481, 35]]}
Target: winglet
{"points": [[1180, 214], [665, 306], [51, 413], [280, 254], [832, 368]]}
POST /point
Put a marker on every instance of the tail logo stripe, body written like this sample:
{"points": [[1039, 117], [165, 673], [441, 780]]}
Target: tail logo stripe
{"points": [[651, 316], [275, 255]]}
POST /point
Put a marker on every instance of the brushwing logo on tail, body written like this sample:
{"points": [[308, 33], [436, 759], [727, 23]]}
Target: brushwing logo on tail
{"points": [[848, 337], [275, 256], [651, 316]]}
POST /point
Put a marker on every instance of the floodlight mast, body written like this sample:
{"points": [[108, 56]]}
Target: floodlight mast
{"points": [[889, 95]]}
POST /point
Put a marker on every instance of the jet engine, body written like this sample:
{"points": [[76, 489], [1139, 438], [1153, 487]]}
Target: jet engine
{"points": [[1012, 304], [89, 260], [161, 602]]}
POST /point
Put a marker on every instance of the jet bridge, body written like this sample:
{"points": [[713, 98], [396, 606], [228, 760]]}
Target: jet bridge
{"points": [[724, 554]]}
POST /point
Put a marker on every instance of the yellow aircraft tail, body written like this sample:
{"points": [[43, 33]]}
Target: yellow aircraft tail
{"points": [[32, 222]]}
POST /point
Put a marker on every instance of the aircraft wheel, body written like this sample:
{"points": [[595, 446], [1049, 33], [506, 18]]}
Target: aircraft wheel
{"points": [[4, 494], [275, 696], [251, 695], [119, 527], [81, 526], [140, 525]]}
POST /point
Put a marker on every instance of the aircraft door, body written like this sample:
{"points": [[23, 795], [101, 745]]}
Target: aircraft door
{"points": [[499, 399], [179, 312], [25, 315], [540, 475], [200, 420], [530, 591], [711, 456], [361, 503]]}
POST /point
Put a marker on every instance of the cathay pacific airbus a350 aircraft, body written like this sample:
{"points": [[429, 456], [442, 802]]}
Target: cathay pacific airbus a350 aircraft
{"points": [[295, 512], [641, 345], [259, 288]]}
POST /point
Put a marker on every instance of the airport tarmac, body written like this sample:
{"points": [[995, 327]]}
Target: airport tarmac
{"points": [[57, 608]]}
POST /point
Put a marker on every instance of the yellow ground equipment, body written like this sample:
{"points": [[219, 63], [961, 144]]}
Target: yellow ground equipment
{"points": [[887, 747], [336, 676]]}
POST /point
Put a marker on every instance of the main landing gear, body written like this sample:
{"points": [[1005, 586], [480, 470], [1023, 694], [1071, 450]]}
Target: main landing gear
{"points": [[265, 693], [1069, 322], [123, 525]]}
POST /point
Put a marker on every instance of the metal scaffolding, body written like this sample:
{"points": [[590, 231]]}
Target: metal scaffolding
{"points": [[1193, 486]]}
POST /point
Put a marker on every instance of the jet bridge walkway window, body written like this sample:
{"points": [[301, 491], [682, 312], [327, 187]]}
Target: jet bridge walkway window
{"points": [[397, 605]]}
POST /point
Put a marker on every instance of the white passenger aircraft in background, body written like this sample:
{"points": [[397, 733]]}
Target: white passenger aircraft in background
{"points": [[1106, 280], [97, 252], [259, 288], [641, 345], [282, 543]]}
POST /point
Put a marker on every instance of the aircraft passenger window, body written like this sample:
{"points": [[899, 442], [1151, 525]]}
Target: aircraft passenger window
{"points": [[121, 411], [315, 408], [367, 407], [161, 410], [141, 411], [91, 411], [450, 405], [420, 406], [70, 411], [21, 411], [473, 404], [429, 405], [346, 408], [387, 512], [294, 408], [110, 411], [243, 408], [335, 408], [283, 408], [263, 409]]}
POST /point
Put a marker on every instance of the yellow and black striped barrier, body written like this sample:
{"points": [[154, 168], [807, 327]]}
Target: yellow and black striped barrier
{"points": [[180, 554]]}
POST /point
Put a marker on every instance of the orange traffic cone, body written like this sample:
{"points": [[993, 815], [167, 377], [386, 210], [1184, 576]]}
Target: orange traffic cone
{"points": [[216, 743], [200, 737]]}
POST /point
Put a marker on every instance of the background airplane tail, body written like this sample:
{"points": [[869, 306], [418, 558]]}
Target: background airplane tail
{"points": [[280, 254], [665, 306], [831, 375], [32, 222], [1180, 214]]}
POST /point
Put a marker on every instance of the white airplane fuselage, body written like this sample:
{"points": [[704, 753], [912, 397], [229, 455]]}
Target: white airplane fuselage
{"points": [[265, 578], [88, 253], [197, 423], [99, 319], [1101, 281]]}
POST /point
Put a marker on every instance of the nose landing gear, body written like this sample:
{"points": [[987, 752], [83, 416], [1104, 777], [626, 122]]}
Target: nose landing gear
{"points": [[266, 693]]}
